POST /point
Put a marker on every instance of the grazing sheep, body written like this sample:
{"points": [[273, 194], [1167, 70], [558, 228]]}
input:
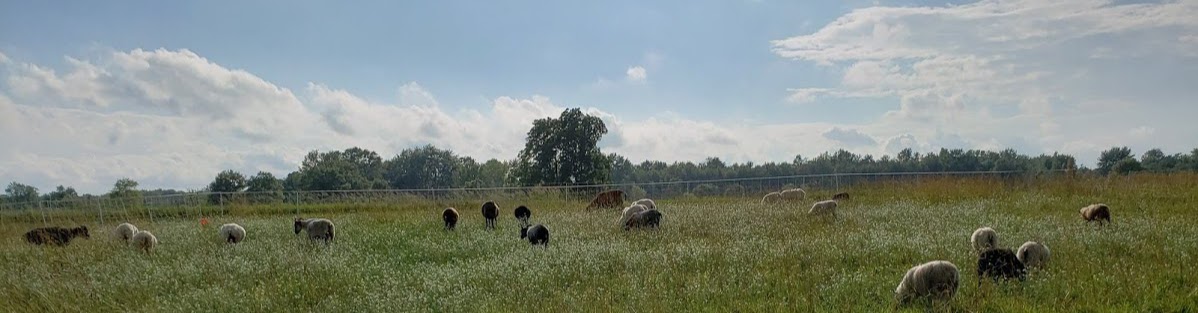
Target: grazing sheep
{"points": [[1033, 254], [232, 233], [450, 216], [55, 235], [537, 234], [983, 239], [935, 280], [607, 200], [773, 197], [124, 232], [648, 203], [317, 228], [840, 196], [629, 212], [490, 212], [1000, 263], [649, 218], [796, 194], [523, 214], [1096, 212], [144, 241], [823, 207]]}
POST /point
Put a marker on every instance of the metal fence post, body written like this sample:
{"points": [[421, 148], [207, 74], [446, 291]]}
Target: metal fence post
{"points": [[148, 212], [100, 207], [42, 208]]}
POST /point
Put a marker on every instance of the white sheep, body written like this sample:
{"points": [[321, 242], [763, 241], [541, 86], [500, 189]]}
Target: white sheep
{"points": [[983, 239], [1033, 254], [648, 203], [124, 232], [795, 194], [823, 207], [629, 212], [232, 233], [773, 197], [935, 280], [144, 241], [317, 228]]}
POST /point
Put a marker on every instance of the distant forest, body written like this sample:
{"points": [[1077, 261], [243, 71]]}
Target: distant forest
{"points": [[564, 151]]}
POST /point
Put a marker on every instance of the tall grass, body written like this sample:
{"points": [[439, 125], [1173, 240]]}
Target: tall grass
{"points": [[711, 254]]}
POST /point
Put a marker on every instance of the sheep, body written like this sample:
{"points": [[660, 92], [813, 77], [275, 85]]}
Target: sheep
{"points": [[773, 197], [1096, 212], [607, 200], [144, 241], [1000, 263], [490, 212], [317, 228], [537, 234], [648, 218], [523, 214], [629, 212], [450, 216], [841, 196], [823, 207], [55, 235], [124, 232], [935, 280], [1033, 254], [648, 203], [796, 194], [983, 239], [232, 233]]}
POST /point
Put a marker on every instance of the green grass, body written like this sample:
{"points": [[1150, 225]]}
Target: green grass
{"points": [[712, 254]]}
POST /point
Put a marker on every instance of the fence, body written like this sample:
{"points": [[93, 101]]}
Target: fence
{"points": [[188, 205]]}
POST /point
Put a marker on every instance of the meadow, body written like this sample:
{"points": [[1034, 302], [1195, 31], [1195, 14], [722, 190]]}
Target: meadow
{"points": [[712, 254]]}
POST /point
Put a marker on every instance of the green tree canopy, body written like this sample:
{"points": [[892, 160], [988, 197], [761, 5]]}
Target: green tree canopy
{"points": [[1107, 159], [564, 151], [424, 167], [18, 193]]}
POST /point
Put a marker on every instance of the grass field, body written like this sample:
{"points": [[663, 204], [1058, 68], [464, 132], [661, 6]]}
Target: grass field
{"points": [[711, 254]]}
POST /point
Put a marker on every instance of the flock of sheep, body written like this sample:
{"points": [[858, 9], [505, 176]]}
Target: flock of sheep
{"points": [[935, 280], [938, 280]]}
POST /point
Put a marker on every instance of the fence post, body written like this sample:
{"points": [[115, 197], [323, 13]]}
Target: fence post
{"points": [[221, 199], [100, 206], [148, 212], [43, 209]]}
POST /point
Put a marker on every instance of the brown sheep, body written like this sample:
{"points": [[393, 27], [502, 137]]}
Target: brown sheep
{"points": [[611, 199], [55, 235], [450, 216], [840, 196], [490, 212], [1096, 212]]}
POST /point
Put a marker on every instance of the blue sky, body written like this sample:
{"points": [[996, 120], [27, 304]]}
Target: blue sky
{"points": [[170, 93]]}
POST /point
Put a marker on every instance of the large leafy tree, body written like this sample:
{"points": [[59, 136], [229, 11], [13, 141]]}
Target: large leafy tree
{"points": [[264, 187], [18, 192], [125, 189], [564, 151], [1107, 159], [424, 167], [227, 181], [62, 193], [354, 168]]}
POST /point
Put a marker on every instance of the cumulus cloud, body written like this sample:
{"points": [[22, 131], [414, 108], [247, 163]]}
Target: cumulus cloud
{"points": [[636, 74], [1035, 75], [850, 137]]}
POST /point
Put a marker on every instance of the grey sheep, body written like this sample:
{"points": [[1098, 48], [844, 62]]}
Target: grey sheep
{"points": [[935, 280], [317, 228], [983, 239]]}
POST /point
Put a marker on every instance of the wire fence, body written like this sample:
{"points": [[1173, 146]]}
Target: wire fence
{"points": [[104, 210]]}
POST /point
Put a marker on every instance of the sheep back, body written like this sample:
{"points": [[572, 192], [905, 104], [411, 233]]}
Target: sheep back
{"points": [[648, 218], [1033, 254], [629, 212], [772, 197], [144, 241], [124, 232], [1000, 263], [1096, 212], [537, 234], [317, 228], [232, 233], [607, 200], [840, 196], [490, 210], [450, 217], [523, 213], [795, 194], [648, 203], [55, 235], [823, 207], [983, 239], [936, 280]]}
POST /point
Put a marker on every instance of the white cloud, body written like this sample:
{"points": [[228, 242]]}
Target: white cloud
{"points": [[4, 58], [1033, 75], [636, 74], [851, 137]]}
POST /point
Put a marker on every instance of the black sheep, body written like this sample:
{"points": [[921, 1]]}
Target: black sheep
{"points": [[537, 234], [523, 214], [840, 196], [649, 218], [450, 216], [55, 235], [490, 212], [1000, 263]]}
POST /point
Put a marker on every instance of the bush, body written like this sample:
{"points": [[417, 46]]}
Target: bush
{"points": [[705, 190]]}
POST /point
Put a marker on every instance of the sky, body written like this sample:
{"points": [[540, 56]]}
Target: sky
{"points": [[171, 92]]}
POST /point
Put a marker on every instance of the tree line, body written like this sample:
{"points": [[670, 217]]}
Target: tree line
{"points": [[564, 151]]}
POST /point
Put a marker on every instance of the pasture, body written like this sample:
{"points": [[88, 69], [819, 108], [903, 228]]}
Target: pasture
{"points": [[715, 254]]}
